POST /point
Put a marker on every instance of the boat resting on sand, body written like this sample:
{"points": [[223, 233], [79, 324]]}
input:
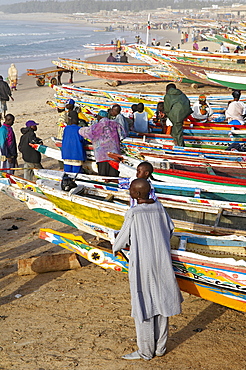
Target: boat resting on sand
{"points": [[110, 71], [164, 191], [88, 202], [220, 280], [128, 169], [101, 212], [233, 81]]}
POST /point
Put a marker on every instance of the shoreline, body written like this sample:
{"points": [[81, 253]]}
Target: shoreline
{"points": [[43, 63]]}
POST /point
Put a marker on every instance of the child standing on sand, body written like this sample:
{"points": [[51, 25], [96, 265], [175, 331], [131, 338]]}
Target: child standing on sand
{"points": [[144, 171]]}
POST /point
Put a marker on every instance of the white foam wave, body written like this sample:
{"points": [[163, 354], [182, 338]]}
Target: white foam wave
{"points": [[24, 34], [42, 41], [42, 55]]}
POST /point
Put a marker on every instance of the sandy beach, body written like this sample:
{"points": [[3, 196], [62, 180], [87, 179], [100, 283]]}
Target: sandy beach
{"points": [[80, 319]]}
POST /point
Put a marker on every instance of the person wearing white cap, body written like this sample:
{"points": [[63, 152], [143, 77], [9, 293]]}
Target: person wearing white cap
{"points": [[32, 158]]}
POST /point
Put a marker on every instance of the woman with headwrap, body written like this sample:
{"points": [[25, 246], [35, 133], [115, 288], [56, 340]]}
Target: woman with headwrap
{"points": [[201, 109], [13, 76]]}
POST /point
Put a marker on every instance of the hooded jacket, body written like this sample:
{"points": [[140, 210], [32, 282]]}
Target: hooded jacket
{"points": [[28, 153], [5, 91], [176, 105]]}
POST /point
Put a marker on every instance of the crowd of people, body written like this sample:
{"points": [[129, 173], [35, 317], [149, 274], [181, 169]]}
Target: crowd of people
{"points": [[106, 131], [121, 58]]}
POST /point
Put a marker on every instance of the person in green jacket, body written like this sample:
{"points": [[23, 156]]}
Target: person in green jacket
{"points": [[176, 108]]}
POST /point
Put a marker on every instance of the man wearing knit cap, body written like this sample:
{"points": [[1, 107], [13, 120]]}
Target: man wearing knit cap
{"points": [[201, 109], [31, 157]]}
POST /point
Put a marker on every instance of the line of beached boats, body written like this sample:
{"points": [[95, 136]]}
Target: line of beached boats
{"points": [[202, 186], [209, 261], [167, 64]]}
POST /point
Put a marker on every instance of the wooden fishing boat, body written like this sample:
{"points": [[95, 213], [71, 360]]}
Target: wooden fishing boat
{"points": [[233, 81], [171, 176], [40, 204], [102, 47], [94, 214], [194, 65], [88, 202], [220, 280], [103, 100], [218, 100], [92, 100], [164, 191], [111, 71], [186, 152], [224, 168], [212, 142], [181, 175]]}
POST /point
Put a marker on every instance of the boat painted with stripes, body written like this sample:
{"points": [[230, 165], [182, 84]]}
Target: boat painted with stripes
{"points": [[233, 81], [103, 215], [86, 197], [164, 192], [194, 65], [111, 71], [220, 280]]}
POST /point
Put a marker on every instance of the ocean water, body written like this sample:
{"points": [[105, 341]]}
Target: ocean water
{"points": [[35, 45]]}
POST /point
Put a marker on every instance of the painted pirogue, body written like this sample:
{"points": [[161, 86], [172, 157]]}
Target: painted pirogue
{"points": [[195, 257], [190, 65], [110, 71]]}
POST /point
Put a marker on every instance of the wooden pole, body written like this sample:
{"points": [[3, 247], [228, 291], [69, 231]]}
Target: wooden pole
{"points": [[48, 263], [148, 29]]}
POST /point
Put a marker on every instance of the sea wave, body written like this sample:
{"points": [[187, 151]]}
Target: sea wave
{"points": [[42, 41], [30, 34], [41, 55]]}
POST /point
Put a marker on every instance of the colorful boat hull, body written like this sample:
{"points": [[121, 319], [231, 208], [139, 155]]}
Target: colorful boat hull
{"points": [[213, 279], [110, 71]]}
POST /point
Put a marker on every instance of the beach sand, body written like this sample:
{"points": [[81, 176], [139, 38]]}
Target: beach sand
{"points": [[80, 319]]}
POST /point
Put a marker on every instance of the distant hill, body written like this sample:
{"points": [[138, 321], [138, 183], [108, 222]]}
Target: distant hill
{"points": [[93, 6]]}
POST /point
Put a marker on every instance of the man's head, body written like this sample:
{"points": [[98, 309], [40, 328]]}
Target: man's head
{"points": [[102, 114], [115, 110], [134, 107], [144, 170], [70, 104], [32, 124], [169, 86], [236, 94], [1, 78], [9, 119], [73, 118], [139, 188]]}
